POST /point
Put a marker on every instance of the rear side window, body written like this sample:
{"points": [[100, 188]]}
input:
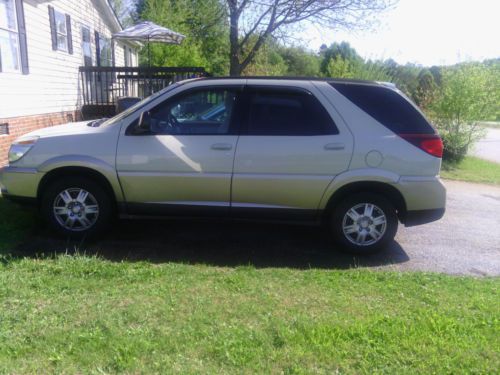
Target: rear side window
{"points": [[287, 112], [388, 107]]}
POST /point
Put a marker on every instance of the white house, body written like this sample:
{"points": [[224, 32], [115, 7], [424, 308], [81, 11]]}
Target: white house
{"points": [[42, 45]]}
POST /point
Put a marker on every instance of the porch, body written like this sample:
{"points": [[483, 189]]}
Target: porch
{"points": [[102, 86]]}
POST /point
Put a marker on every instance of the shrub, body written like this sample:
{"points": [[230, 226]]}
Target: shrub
{"points": [[467, 95]]}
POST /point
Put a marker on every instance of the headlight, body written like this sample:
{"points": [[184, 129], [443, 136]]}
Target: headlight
{"points": [[21, 147]]}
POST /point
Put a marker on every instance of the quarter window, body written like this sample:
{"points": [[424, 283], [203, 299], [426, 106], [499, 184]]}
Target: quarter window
{"points": [[388, 107], [9, 37], [287, 112], [201, 112]]}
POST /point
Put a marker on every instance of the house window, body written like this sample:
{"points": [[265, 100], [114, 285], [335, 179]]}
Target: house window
{"points": [[86, 46], [9, 38], [60, 28], [105, 51], [61, 31], [126, 54]]}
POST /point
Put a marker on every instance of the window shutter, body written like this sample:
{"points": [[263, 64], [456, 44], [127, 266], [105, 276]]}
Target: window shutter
{"points": [[97, 50], [53, 30], [70, 35], [112, 52], [23, 45]]}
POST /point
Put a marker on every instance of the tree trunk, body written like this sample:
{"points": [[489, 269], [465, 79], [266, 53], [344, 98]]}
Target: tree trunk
{"points": [[234, 58]]}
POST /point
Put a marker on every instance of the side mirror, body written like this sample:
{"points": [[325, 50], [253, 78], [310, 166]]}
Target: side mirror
{"points": [[141, 126], [145, 122]]}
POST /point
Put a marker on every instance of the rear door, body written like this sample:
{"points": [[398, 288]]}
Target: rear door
{"points": [[291, 146]]}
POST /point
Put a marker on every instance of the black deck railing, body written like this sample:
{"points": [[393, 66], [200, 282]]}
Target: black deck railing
{"points": [[104, 85]]}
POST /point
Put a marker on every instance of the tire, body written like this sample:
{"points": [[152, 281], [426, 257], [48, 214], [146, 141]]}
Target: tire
{"points": [[76, 207], [369, 233]]}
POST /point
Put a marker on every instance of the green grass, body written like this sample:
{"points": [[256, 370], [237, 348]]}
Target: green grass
{"points": [[15, 224], [472, 169], [77, 314], [85, 314]]}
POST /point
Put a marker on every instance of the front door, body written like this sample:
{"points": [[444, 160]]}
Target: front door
{"points": [[184, 163]]}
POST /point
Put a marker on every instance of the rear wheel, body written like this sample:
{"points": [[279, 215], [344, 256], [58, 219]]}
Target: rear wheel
{"points": [[76, 207], [364, 223]]}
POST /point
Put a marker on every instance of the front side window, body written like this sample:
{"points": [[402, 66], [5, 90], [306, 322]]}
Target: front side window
{"points": [[202, 112], [61, 31], [287, 112], [9, 38]]}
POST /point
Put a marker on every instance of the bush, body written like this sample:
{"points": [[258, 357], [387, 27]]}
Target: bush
{"points": [[467, 95], [455, 147]]}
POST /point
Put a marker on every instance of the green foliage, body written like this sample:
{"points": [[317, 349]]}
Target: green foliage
{"points": [[338, 52], [205, 26], [468, 93], [300, 62]]}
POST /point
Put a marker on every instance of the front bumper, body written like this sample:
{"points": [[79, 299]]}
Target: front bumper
{"points": [[19, 183]]}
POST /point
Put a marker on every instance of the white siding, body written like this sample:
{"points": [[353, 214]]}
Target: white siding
{"points": [[52, 84]]}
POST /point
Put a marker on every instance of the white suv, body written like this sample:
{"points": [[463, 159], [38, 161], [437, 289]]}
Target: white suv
{"points": [[357, 156]]}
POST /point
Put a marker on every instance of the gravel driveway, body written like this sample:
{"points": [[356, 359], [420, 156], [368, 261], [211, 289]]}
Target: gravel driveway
{"points": [[489, 147], [465, 241]]}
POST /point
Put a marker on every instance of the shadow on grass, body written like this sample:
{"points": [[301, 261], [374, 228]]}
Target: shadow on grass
{"points": [[217, 243]]}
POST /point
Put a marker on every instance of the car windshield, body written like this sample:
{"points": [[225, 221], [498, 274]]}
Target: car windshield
{"points": [[140, 104]]}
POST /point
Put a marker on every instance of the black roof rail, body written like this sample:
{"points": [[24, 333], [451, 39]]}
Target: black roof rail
{"points": [[294, 78]]}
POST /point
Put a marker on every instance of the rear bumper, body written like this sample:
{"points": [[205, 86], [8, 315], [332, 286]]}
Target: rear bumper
{"points": [[425, 199], [419, 217]]}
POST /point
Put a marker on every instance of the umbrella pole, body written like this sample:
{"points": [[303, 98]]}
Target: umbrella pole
{"points": [[149, 53]]}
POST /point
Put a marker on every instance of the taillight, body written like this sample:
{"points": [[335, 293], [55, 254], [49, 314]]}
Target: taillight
{"points": [[430, 143]]}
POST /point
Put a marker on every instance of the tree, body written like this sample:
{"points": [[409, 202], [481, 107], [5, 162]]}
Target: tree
{"points": [[336, 50], [204, 23], [469, 93], [299, 62], [123, 11], [252, 22], [426, 91]]}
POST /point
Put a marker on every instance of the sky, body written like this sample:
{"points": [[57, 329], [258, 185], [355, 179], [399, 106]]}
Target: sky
{"points": [[425, 32]]}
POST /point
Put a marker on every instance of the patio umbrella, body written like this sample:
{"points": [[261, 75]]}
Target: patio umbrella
{"points": [[149, 32]]}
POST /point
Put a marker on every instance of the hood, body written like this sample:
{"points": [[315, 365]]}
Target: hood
{"points": [[71, 128]]}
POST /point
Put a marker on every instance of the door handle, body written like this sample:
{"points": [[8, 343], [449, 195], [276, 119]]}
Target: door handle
{"points": [[334, 146], [222, 146]]}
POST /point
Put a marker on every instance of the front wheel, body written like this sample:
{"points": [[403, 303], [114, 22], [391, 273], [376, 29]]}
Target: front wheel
{"points": [[364, 223], [76, 207]]}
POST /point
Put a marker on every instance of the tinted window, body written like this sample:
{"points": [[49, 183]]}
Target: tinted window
{"points": [[386, 106], [287, 112], [206, 111]]}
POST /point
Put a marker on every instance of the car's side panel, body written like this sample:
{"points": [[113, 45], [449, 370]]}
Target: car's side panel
{"points": [[88, 162], [167, 169], [376, 146], [289, 171]]}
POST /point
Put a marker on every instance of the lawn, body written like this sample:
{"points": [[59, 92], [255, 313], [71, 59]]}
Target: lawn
{"points": [[472, 169], [85, 314]]}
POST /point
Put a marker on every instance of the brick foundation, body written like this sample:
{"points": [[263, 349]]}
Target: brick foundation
{"points": [[22, 125]]}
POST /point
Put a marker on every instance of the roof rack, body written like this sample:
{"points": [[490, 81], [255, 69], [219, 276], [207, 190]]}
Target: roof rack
{"points": [[293, 78]]}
